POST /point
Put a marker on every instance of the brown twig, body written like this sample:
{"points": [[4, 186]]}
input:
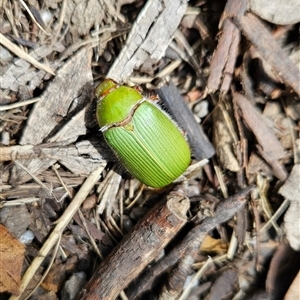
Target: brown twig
{"points": [[137, 249]]}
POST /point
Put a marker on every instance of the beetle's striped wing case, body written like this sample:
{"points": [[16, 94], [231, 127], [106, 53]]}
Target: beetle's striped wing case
{"points": [[145, 139], [151, 146]]}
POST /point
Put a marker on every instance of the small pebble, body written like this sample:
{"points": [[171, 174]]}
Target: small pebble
{"points": [[73, 286], [201, 109], [46, 16], [27, 237]]}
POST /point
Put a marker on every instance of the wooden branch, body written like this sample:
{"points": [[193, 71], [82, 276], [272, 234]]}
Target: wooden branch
{"points": [[137, 249], [188, 246]]}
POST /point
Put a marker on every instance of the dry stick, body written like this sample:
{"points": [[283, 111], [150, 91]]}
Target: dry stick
{"points": [[62, 222], [60, 22], [137, 249], [20, 53], [225, 211], [189, 245]]}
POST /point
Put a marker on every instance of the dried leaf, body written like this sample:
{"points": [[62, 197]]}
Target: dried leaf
{"points": [[212, 245], [11, 261]]}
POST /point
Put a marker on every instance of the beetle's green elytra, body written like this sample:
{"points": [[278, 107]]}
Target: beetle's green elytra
{"points": [[144, 138]]}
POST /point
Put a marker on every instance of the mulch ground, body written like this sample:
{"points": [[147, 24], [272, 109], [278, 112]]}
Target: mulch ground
{"points": [[74, 224]]}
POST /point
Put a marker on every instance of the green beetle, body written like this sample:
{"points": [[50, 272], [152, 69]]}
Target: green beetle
{"points": [[144, 137]]}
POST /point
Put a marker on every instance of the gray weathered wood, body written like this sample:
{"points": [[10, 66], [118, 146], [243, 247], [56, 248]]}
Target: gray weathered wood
{"points": [[150, 36]]}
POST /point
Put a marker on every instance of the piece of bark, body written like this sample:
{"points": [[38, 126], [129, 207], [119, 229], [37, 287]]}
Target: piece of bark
{"points": [[189, 246], [284, 127], [263, 41], [137, 249], [28, 193], [283, 269], [20, 73], [92, 229], [223, 62], [223, 138], [81, 158], [268, 145], [291, 188], [150, 36], [67, 94], [84, 16], [74, 128], [200, 145], [257, 165]]}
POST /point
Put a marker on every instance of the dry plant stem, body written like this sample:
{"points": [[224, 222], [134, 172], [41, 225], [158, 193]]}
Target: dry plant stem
{"points": [[173, 288], [285, 204], [62, 222], [137, 249], [19, 104], [48, 268], [60, 22], [195, 278], [18, 202], [33, 177], [81, 216], [19, 152], [61, 181], [190, 244], [20, 53], [220, 179], [32, 17], [232, 246]]}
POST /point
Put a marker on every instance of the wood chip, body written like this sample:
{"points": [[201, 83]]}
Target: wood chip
{"points": [[149, 37]]}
